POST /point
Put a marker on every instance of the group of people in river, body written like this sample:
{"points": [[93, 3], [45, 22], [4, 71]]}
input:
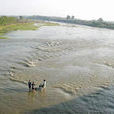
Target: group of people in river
{"points": [[31, 85]]}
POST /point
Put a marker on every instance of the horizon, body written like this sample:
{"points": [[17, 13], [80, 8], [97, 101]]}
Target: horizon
{"points": [[85, 10], [60, 17]]}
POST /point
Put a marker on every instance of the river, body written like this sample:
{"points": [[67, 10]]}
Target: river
{"points": [[76, 61]]}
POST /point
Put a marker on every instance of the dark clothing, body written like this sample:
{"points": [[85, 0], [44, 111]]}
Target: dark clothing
{"points": [[29, 84], [33, 86], [41, 85]]}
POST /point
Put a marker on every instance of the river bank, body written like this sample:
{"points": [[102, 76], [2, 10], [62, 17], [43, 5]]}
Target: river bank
{"points": [[23, 26]]}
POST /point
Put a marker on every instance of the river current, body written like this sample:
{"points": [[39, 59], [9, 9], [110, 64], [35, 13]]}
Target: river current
{"points": [[76, 61]]}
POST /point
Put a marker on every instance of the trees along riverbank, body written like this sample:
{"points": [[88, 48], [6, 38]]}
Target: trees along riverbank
{"points": [[100, 23], [8, 24]]}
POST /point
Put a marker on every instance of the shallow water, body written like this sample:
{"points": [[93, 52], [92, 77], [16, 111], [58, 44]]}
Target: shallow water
{"points": [[76, 61]]}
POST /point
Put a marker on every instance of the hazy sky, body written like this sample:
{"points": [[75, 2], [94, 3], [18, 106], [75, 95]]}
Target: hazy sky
{"points": [[83, 9]]}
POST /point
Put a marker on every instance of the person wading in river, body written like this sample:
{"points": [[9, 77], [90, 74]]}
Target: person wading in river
{"points": [[44, 84], [33, 84], [29, 85]]}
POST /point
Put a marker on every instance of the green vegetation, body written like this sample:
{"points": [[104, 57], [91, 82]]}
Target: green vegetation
{"points": [[15, 23], [8, 24], [23, 26], [18, 26], [3, 37], [4, 20]]}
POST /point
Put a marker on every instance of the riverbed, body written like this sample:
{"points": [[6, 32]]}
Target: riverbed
{"points": [[76, 61]]}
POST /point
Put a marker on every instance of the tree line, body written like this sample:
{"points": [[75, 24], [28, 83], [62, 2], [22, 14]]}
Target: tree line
{"points": [[5, 20], [94, 23]]}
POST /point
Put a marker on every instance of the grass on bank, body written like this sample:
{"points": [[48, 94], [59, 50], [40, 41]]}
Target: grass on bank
{"points": [[13, 27], [3, 37], [23, 26]]}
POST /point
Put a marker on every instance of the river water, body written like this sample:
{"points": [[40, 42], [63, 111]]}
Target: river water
{"points": [[76, 61]]}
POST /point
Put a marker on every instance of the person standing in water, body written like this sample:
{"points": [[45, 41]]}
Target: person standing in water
{"points": [[33, 84], [44, 84], [29, 85]]}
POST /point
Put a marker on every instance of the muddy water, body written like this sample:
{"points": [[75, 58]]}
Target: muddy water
{"points": [[76, 61]]}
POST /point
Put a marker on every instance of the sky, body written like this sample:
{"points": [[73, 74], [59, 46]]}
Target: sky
{"points": [[82, 9]]}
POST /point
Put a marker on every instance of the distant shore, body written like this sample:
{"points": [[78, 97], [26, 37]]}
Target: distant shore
{"points": [[100, 23]]}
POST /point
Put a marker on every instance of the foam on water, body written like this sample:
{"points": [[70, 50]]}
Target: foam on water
{"points": [[76, 64]]}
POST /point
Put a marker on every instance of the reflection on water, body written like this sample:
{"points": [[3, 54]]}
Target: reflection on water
{"points": [[75, 61]]}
